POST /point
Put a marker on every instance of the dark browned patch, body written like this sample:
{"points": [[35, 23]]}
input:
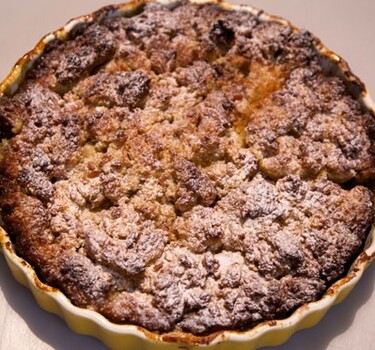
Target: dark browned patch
{"points": [[43, 286]]}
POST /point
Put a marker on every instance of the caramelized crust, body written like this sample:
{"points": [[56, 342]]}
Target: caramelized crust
{"points": [[186, 169]]}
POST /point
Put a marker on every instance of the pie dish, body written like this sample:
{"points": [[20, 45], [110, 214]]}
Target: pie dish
{"points": [[207, 194]]}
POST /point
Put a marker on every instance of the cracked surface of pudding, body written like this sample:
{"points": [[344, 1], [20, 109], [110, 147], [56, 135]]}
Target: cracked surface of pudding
{"points": [[186, 168]]}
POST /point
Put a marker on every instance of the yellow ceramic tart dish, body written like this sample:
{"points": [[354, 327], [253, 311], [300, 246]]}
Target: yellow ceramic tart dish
{"points": [[235, 172]]}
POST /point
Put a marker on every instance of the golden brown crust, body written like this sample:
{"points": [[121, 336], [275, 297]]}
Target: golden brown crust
{"points": [[181, 169]]}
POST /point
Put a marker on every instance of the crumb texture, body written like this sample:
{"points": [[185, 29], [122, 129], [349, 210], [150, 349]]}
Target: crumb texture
{"points": [[186, 168]]}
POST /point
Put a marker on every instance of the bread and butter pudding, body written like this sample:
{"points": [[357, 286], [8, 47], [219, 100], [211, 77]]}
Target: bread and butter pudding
{"points": [[186, 168]]}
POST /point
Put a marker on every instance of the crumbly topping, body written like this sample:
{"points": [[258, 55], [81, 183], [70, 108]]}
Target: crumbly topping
{"points": [[186, 169]]}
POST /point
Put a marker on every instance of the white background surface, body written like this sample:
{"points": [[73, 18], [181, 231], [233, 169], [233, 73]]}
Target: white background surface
{"points": [[346, 26]]}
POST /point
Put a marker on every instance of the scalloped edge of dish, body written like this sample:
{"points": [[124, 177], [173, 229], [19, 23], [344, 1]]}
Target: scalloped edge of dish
{"points": [[118, 336]]}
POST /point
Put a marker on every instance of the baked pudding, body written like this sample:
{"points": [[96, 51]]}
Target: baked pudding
{"points": [[186, 168]]}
